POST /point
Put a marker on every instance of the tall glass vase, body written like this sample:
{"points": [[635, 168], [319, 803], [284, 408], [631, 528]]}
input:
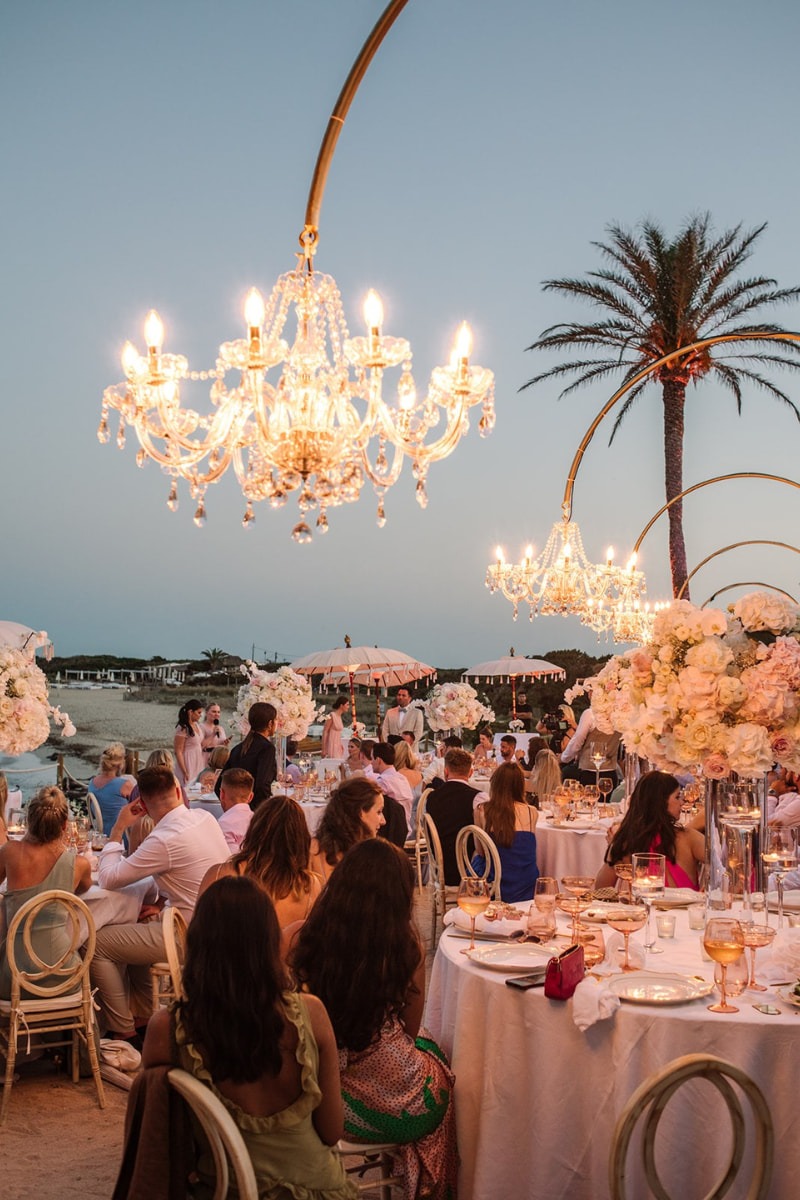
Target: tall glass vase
{"points": [[736, 823], [280, 753]]}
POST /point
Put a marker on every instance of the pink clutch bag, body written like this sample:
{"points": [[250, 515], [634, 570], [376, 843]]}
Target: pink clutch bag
{"points": [[564, 973]]}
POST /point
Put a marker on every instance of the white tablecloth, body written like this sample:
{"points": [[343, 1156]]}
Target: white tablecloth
{"points": [[536, 1100], [564, 850], [208, 802], [313, 811]]}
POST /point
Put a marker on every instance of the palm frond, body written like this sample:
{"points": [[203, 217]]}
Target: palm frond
{"points": [[766, 385], [629, 401]]}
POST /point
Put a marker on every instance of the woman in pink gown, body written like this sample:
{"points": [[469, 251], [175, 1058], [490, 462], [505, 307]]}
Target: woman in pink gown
{"points": [[650, 826], [332, 744]]}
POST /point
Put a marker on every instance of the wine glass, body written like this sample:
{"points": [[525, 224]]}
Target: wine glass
{"points": [[735, 979], [81, 834], [606, 786], [649, 871], [723, 942], [755, 937], [473, 898], [542, 912], [591, 795], [624, 872], [626, 921], [579, 889], [780, 855]]}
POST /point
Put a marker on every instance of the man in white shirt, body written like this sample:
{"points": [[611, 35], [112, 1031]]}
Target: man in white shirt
{"points": [[183, 845], [235, 794], [390, 781], [402, 718]]}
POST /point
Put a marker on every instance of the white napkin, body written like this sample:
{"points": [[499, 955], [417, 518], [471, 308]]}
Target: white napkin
{"points": [[501, 928], [615, 953], [592, 1001], [781, 963]]}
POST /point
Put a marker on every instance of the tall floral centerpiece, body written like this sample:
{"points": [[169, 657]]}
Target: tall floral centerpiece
{"points": [[289, 692], [713, 691], [455, 706], [25, 710]]}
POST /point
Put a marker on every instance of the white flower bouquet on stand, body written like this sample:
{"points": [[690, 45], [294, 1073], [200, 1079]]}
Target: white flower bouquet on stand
{"points": [[452, 706], [25, 710], [290, 693], [714, 690]]}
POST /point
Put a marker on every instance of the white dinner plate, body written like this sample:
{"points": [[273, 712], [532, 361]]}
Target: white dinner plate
{"points": [[652, 987], [514, 957], [791, 900], [789, 995], [677, 898]]}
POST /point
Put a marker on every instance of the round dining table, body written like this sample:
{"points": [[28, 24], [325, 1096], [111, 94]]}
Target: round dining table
{"points": [[576, 848], [537, 1100]]}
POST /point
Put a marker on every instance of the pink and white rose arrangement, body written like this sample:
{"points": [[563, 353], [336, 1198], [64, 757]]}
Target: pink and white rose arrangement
{"points": [[455, 706], [711, 689], [25, 710], [288, 691]]}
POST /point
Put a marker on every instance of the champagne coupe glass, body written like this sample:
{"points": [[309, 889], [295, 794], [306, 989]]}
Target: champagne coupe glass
{"points": [[473, 898], [649, 871], [723, 942], [542, 912], [780, 855], [755, 937], [626, 921], [579, 887], [624, 872]]}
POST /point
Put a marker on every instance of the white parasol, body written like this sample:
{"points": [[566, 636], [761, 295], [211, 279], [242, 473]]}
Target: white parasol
{"points": [[369, 666], [514, 667]]}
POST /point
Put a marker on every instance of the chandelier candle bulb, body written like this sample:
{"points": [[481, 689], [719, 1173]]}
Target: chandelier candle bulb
{"points": [[609, 556]]}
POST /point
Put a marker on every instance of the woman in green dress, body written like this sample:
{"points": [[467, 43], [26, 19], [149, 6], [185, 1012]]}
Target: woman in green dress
{"points": [[41, 861]]}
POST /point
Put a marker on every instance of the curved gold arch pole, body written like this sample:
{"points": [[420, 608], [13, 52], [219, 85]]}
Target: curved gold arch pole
{"points": [[755, 335], [310, 234], [734, 546], [749, 583], [705, 483]]}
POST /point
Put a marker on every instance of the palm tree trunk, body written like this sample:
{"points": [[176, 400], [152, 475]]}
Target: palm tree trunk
{"points": [[674, 398]]}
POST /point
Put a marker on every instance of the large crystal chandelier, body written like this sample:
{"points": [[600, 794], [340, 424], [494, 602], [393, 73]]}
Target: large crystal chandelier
{"points": [[563, 581], [299, 406]]}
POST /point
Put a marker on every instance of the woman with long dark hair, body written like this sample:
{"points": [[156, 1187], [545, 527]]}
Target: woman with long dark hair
{"points": [[354, 813], [275, 854], [360, 953], [510, 823], [650, 826], [256, 752], [188, 742], [267, 1053]]}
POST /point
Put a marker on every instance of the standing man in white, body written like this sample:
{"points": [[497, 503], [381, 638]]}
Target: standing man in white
{"points": [[403, 718]]}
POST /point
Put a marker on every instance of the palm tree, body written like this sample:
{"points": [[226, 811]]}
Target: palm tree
{"points": [[660, 295], [216, 659]]}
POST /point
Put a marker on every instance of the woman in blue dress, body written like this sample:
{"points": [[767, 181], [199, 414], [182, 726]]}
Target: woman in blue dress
{"points": [[510, 823], [110, 786]]}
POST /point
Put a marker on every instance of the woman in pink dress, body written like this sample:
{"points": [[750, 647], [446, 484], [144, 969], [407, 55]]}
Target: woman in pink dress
{"points": [[650, 826], [332, 744]]}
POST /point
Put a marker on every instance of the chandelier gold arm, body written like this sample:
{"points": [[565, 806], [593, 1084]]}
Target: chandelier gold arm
{"points": [[754, 335], [309, 236], [748, 583], [734, 546], [706, 483]]}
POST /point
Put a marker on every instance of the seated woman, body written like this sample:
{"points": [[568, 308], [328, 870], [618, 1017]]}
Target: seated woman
{"points": [[216, 765], [112, 788], [545, 776], [267, 1053], [483, 752], [360, 953], [510, 823], [406, 764], [535, 745], [38, 863], [275, 853], [354, 813], [651, 826]]}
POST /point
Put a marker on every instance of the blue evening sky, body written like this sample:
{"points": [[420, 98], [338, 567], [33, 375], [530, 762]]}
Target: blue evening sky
{"points": [[158, 153]]}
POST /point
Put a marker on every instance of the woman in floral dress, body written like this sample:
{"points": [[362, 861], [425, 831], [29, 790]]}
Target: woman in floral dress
{"points": [[361, 955]]}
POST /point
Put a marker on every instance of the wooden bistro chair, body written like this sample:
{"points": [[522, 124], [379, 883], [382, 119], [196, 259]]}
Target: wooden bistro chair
{"points": [[224, 1138], [375, 1157], [166, 978], [648, 1102], [95, 816], [417, 845], [443, 897], [484, 845], [58, 998]]}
